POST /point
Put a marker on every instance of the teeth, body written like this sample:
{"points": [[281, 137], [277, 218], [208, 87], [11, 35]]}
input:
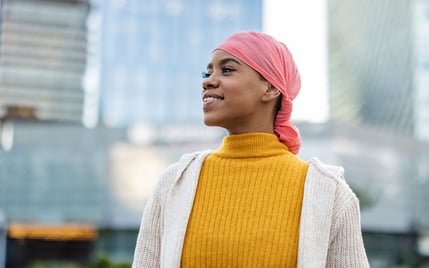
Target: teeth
{"points": [[211, 99]]}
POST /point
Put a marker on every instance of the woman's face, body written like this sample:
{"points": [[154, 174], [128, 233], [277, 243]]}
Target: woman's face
{"points": [[232, 94]]}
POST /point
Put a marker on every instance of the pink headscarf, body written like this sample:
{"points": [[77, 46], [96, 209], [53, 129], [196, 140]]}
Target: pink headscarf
{"points": [[275, 63]]}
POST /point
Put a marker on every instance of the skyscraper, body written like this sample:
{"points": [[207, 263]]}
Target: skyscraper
{"points": [[154, 51], [421, 29], [43, 60], [378, 65]]}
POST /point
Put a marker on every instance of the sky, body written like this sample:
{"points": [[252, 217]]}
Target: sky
{"points": [[302, 26]]}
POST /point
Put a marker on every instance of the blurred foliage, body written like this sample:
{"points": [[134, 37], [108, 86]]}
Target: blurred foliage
{"points": [[105, 262], [47, 264], [100, 262]]}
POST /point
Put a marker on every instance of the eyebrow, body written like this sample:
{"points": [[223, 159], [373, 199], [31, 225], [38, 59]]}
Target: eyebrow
{"points": [[224, 61]]}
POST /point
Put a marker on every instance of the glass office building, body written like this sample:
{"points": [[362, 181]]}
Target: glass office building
{"points": [[379, 65], [43, 61], [154, 51], [421, 22]]}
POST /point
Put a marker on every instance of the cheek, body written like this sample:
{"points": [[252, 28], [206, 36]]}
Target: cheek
{"points": [[243, 91], [240, 88]]}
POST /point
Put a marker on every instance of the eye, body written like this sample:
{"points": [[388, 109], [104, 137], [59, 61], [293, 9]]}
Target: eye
{"points": [[205, 74], [226, 69]]}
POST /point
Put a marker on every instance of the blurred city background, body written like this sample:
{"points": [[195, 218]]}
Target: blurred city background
{"points": [[98, 97]]}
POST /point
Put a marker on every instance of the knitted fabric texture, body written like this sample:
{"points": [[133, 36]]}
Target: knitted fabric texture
{"points": [[329, 236], [247, 206], [273, 60]]}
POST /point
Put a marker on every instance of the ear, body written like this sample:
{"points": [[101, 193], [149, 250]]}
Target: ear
{"points": [[271, 93]]}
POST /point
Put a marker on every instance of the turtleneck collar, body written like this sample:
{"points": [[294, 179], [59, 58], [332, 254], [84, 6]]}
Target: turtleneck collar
{"points": [[251, 145]]}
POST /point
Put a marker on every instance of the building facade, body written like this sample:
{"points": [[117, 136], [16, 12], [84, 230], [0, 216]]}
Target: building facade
{"points": [[421, 29], [372, 62], [154, 52], [44, 58]]}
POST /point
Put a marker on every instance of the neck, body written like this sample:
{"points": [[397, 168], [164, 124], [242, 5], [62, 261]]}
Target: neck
{"points": [[261, 122], [260, 127]]}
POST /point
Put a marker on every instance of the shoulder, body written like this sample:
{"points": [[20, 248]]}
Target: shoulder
{"points": [[326, 184], [175, 171], [335, 173], [322, 173]]}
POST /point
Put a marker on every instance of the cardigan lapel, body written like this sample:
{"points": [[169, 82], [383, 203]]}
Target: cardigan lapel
{"points": [[180, 199], [316, 214]]}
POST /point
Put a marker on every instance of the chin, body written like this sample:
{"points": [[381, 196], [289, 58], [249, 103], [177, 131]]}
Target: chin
{"points": [[211, 122]]}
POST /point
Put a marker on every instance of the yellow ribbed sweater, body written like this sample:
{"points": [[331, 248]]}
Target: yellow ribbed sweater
{"points": [[247, 207]]}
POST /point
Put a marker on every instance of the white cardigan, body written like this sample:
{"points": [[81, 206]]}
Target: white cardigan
{"points": [[330, 233]]}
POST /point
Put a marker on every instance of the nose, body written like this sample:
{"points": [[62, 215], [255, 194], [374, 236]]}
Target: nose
{"points": [[210, 82]]}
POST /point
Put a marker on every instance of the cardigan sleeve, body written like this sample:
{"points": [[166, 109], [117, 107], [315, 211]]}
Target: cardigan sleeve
{"points": [[346, 247], [147, 251], [148, 246]]}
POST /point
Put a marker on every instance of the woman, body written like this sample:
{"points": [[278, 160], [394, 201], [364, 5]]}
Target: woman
{"points": [[253, 202]]}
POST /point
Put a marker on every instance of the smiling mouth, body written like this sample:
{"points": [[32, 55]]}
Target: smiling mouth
{"points": [[211, 99]]}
